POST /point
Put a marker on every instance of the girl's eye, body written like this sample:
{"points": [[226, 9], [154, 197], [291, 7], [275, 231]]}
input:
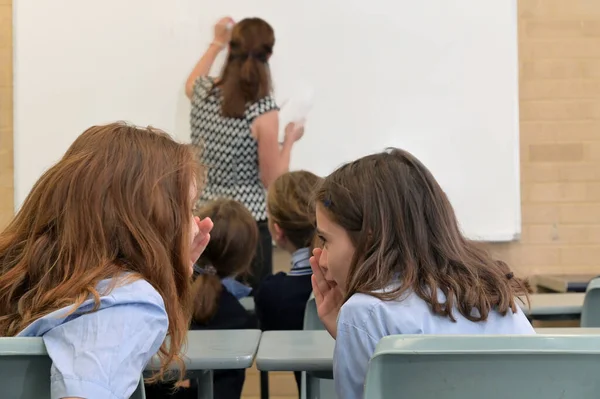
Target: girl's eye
{"points": [[323, 241]]}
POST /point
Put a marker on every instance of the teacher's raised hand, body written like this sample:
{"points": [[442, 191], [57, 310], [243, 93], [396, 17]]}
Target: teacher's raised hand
{"points": [[223, 29], [294, 132]]}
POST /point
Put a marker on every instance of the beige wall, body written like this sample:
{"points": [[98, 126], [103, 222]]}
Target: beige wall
{"points": [[559, 44], [559, 54], [6, 142]]}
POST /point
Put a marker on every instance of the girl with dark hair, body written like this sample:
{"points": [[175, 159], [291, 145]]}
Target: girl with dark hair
{"points": [[394, 261]]}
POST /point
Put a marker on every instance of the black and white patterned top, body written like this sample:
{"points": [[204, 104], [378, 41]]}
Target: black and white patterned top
{"points": [[230, 153]]}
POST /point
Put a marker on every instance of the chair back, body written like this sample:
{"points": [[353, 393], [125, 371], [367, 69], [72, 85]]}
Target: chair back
{"points": [[25, 369], [590, 314], [485, 366], [315, 385]]}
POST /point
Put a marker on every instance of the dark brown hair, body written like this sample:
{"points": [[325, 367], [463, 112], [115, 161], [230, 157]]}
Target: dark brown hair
{"points": [[289, 205], [232, 246], [401, 223], [246, 77], [118, 201]]}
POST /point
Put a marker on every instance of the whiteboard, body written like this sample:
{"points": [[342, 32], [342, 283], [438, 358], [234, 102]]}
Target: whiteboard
{"points": [[435, 77]]}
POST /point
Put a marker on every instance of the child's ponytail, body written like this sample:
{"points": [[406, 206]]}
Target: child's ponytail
{"points": [[206, 291]]}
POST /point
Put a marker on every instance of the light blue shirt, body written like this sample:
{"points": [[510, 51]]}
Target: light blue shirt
{"points": [[101, 355], [364, 320], [235, 288], [300, 263]]}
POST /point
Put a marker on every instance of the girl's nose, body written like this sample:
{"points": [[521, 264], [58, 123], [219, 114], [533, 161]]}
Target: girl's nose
{"points": [[323, 261]]}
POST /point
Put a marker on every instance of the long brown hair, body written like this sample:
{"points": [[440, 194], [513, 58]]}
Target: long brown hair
{"points": [[402, 224], [117, 202], [289, 205], [246, 77], [232, 245]]}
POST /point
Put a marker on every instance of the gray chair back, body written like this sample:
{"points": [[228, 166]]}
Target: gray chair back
{"points": [[25, 369], [485, 366], [315, 385], [590, 314]]}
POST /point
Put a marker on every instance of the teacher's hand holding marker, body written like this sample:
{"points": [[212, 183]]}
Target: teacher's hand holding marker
{"points": [[235, 120], [223, 30], [293, 132]]}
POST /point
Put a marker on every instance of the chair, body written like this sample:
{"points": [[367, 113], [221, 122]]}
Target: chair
{"points": [[248, 304], [590, 314], [311, 317], [315, 385], [25, 369], [485, 366]]}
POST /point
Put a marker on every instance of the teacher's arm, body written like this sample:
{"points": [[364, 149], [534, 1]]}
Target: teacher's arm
{"points": [[219, 43], [202, 68], [273, 159]]}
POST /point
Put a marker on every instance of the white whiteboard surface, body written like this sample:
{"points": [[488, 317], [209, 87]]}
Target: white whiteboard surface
{"points": [[436, 77]]}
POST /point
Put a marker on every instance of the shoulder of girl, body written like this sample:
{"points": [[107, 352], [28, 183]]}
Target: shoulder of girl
{"points": [[205, 78], [136, 290], [359, 306], [204, 82]]}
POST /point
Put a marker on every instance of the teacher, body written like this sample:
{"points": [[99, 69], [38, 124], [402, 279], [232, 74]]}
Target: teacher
{"points": [[235, 120]]}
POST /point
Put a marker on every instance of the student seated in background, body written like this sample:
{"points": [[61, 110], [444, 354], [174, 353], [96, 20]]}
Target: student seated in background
{"points": [[394, 261], [215, 291], [281, 299], [98, 260]]}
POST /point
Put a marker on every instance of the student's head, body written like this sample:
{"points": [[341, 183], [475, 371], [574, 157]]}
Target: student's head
{"points": [[246, 77], [119, 201], [291, 211], [229, 253], [384, 217]]}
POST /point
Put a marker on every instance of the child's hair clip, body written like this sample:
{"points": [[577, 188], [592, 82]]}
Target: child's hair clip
{"points": [[327, 203], [205, 270], [510, 275]]}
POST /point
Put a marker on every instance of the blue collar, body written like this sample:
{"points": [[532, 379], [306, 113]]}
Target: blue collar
{"points": [[301, 263], [235, 288]]}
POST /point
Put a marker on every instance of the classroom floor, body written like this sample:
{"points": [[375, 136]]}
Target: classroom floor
{"points": [[281, 385]]}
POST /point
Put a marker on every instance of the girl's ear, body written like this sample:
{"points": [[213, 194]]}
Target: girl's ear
{"points": [[279, 234]]}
